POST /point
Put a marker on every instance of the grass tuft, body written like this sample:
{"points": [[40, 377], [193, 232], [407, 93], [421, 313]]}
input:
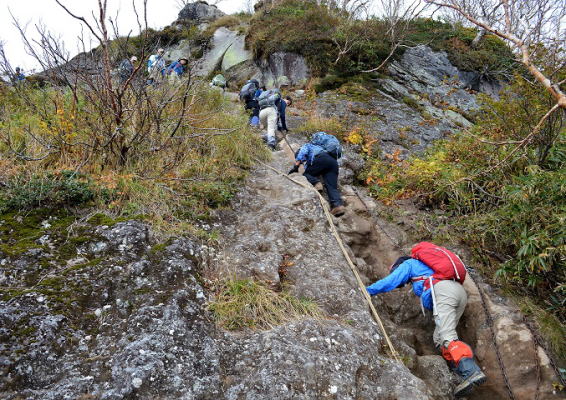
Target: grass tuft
{"points": [[244, 303]]}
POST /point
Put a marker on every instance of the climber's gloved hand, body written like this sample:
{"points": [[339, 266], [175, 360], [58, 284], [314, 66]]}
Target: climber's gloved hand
{"points": [[293, 170]]}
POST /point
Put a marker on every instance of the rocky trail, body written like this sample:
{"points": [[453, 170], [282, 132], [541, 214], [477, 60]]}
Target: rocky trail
{"points": [[123, 316], [276, 218], [98, 308]]}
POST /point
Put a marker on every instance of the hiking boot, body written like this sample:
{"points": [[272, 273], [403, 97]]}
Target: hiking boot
{"points": [[272, 146], [466, 386], [318, 186], [338, 211]]}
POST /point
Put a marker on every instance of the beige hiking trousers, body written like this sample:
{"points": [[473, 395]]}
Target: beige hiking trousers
{"points": [[268, 118], [451, 299]]}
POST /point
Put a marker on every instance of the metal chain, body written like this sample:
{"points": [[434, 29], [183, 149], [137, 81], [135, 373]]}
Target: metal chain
{"points": [[489, 321], [539, 342]]}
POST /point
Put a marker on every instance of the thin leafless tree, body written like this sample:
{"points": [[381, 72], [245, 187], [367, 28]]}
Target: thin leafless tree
{"points": [[536, 30], [121, 119], [398, 16]]}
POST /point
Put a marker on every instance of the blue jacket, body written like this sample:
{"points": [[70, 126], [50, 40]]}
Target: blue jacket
{"points": [[307, 153], [176, 67], [402, 274]]}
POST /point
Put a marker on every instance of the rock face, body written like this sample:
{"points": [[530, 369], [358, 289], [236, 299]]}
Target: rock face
{"points": [[425, 99], [222, 41], [130, 322], [285, 69], [200, 11], [228, 54], [236, 53]]}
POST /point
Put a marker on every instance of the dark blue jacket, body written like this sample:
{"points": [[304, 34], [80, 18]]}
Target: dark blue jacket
{"points": [[402, 274]]}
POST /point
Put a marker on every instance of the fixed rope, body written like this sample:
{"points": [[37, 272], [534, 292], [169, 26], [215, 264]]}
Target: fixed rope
{"points": [[345, 253]]}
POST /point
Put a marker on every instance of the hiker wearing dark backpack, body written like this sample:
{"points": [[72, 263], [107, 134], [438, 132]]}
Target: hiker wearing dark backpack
{"points": [[320, 162], [436, 275], [272, 110], [249, 94]]}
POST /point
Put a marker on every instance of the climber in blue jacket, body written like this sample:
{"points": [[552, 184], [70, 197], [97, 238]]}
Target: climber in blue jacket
{"points": [[400, 275], [447, 299]]}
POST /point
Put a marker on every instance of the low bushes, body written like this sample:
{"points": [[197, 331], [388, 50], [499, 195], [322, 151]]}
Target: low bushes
{"points": [[173, 179], [52, 190], [335, 44]]}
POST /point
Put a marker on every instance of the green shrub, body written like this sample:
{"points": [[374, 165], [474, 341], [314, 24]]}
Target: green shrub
{"points": [[227, 21], [52, 191], [278, 30], [244, 303], [530, 223]]}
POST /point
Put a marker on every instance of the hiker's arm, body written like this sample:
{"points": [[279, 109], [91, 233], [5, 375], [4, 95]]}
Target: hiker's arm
{"points": [[399, 276]]}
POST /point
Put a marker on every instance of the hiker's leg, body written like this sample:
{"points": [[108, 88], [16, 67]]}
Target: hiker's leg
{"points": [[330, 176], [271, 126], [263, 118], [451, 301], [313, 171]]}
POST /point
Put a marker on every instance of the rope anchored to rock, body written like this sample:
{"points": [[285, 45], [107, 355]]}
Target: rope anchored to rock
{"points": [[346, 256]]}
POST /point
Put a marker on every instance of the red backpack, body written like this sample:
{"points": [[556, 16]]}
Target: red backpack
{"points": [[445, 264]]}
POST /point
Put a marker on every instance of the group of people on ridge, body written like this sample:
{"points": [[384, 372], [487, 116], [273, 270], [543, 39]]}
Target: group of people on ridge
{"points": [[157, 69], [436, 273]]}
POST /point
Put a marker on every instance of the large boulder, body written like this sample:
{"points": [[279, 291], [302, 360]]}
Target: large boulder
{"points": [[236, 53], [284, 68], [180, 50], [200, 11], [238, 74], [426, 72], [222, 40], [123, 317]]}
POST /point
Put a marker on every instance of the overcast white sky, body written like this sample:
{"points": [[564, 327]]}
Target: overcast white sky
{"points": [[47, 12]]}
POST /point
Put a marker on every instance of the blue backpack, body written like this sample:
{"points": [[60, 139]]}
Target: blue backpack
{"points": [[329, 143], [248, 90]]}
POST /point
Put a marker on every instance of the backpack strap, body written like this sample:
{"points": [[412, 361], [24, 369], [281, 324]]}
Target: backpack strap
{"points": [[451, 260]]}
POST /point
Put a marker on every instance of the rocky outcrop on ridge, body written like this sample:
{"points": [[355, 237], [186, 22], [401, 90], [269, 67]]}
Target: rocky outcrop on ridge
{"points": [[425, 99], [199, 12]]}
